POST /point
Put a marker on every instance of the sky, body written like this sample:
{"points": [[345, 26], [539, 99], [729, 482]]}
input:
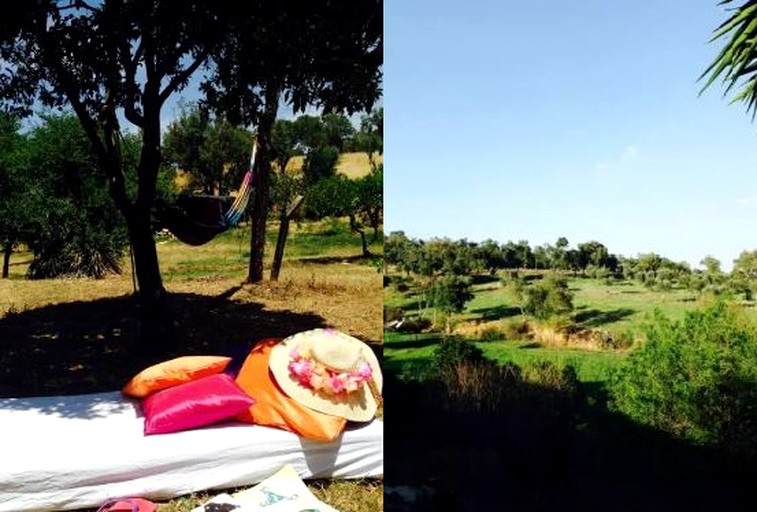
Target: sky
{"points": [[532, 121]]}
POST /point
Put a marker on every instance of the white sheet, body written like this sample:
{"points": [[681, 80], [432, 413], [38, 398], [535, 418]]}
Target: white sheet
{"points": [[63, 453]]}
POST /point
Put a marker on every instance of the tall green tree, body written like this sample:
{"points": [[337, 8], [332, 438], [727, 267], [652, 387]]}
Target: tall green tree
{"points": [[102, 59], [19, 190], [213, 152], [450, 294], [370, 138], [326, 54], [548, 297], [361, 201], [80, 232]]}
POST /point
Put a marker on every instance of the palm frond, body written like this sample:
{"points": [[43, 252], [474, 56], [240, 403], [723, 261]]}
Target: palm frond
{"points": [[736, 64]]}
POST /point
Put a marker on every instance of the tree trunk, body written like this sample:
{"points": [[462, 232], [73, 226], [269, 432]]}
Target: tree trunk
{"points": [[278, 256], [356, 228], [262, 184], [7, 251], [156, 326]]}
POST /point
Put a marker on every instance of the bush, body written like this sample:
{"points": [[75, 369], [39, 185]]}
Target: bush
{"points": [[491, 333], [452, 352], [547, 298], [696, 378], [608, 340], [546, 374], [516, 330], [393, 314], [414, 325]]}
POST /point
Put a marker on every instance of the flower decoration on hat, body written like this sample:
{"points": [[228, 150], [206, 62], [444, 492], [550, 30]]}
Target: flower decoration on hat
{"points": [[318, 377]]}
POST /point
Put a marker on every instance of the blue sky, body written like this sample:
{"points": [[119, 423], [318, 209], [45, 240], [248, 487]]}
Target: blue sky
{"points": [[519, 120]]}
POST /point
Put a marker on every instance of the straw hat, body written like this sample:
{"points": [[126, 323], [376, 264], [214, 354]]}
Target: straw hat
{"points": [[328, 371]]}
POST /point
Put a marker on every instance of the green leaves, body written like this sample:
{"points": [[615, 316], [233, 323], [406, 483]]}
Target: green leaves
{"points": [[694, 378], [736, 64]]}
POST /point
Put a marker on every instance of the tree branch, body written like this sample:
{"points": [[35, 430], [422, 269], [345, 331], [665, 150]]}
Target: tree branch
{"points": [[89, 125], [181, 77], [130, 64], [78, 4]]}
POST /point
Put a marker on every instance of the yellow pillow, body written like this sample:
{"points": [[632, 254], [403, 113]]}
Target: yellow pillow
{"points": [[174, 372]]}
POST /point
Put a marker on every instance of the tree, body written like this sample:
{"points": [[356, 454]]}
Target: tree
{"points": [[359, 200], [694, 378], [548, 297], [131, 56], [450, 294], [490, 256], [746, 265], [78, 232], [325, 54], [713, 274], [370, 138], [19, 192], [593, 253], [338, 129], [214, 153], [127, 56], [558, 256], [399, 250]]}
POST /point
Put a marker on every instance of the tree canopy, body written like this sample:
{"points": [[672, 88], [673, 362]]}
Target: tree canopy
{"points": [[123, 59]]}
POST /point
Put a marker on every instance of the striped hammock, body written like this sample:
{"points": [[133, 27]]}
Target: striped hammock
{"points": [[234, 214]]}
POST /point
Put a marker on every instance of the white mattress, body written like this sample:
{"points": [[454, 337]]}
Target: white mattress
{"points": [[70, 452]]}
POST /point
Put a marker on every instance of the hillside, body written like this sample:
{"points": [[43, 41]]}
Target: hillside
{"points": [[352, 165]]}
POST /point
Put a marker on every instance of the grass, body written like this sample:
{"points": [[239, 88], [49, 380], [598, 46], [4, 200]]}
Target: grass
{"points": [[619, 308], [409, 354], [344, 495], [352, 165], [64, 336]]}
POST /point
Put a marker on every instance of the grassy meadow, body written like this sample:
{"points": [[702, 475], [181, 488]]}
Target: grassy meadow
{"points": [[68, 336], [618, 308], [539, 437], [352, 165]]}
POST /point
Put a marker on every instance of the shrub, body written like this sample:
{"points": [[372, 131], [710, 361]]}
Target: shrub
{"points": [[392, 314], [491, 333], [547, 298], [516, 330], [546, 374], [453, 351], [414, 325], [696, 378], [607, 340]]}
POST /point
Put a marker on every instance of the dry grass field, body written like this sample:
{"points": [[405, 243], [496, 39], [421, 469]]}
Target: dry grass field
{"points": [[352, 165], [68, 336]]}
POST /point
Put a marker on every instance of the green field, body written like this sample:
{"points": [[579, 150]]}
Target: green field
{"points": [[619, 308], [409, 355], [623, 306]]}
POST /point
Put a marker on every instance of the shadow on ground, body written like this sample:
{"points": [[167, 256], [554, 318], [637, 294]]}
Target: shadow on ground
{"points": [[545, 450], [328, 260], [497, 312], [598, 318], [88, 347]]}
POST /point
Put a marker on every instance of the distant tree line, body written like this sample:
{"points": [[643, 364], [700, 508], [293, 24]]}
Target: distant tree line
{"points": [[593, 259]]}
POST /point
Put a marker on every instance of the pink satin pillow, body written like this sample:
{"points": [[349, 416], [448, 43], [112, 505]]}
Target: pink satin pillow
{"points": [[195, 404]]}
